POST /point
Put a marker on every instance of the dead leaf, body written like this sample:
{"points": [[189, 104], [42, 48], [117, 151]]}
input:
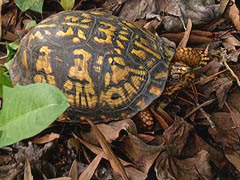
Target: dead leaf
{"points": [[197, 167], [234, 15], [234, 158], [184, 41], [27, 171], [73, 172], [141, 154], [46, 138], [110, 131], [221, 87], [89, 171], [114, 161], [226, 133]]}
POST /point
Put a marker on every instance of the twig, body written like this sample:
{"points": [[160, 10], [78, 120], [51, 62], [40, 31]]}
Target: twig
{"points": [[231, 71], [199, 107]]}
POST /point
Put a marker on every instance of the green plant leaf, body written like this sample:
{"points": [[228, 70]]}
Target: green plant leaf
{"points": [[35, 5], [67, 4], [5, 79], [27, 110], [11, 49], [31, 24]]}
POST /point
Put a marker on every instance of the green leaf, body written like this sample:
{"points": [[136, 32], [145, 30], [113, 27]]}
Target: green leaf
{"points": [[4, 79], [27, 110], [31, 24], [35, 5], [11, 49], [67, 4]]}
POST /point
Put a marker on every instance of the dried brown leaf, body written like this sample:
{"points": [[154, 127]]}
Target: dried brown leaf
{"points": [[197, 167], [140, 153], [73, 172], [184, 41], [110, 131], [234, 98], [234, 158], [226, 133], [221, 87], [177, 135], [114, 161], [46, 138], [27, 171], [97, 150], [89, 171], [134, 174], [234, 15]]}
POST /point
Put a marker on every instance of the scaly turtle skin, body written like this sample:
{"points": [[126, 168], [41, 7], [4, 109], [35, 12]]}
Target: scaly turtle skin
{"points": [[108, 68]]}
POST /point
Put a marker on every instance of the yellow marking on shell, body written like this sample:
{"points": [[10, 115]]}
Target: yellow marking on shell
{"points": [[123, 32], [76, 40], [141, 72], [155, 90], [86, 20], [100, 60], [131, 25], [38, 35], [43, 62], [38, 78], [106, 97], [139, 53], [81, 34], [109, 33], [80, 72], [150, 63], [119, 60], [73, 18], [46, 26], [86, 15], [118, 51], [72, 24], [150, 51], [118, 73], [69, 32], [100, 13], [47, 32], [141, 103], [130, 90], [144, 41], [51, 80], [123, 38], [136, 81], [68, 85], [120, 45], [24, 60], [107, 79], [159, 75]]}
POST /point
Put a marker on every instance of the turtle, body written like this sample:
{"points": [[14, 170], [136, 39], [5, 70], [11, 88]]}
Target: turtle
{"points": [[108, 68]]}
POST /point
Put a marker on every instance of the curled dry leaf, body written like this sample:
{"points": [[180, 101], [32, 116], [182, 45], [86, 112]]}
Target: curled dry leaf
{"points": [[177, 135], [197, 167], [226, 132], [221, 87], [234, 15], [234, 158], [89, 171], [140, 153], [110, 131], [27, 171], [46, 138]]}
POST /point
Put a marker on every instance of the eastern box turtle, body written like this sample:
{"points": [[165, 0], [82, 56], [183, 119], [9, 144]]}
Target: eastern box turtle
{"points": [[108, 68]]}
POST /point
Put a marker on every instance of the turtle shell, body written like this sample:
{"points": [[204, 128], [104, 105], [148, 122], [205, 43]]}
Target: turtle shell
{"points": [[108, 68]]}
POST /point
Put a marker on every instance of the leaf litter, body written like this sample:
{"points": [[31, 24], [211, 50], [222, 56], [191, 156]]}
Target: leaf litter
{"points": [[184, 145]]}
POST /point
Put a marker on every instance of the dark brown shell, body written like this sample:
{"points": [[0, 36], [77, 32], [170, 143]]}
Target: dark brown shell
{"points": [[107, 67]]}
